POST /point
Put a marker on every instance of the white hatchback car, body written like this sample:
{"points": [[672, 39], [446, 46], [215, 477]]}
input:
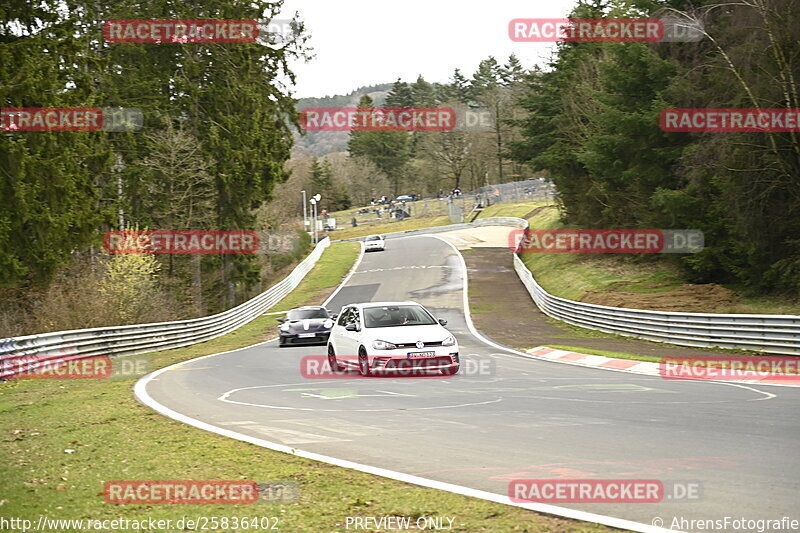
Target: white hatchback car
{"points": [[374, 243], [397, 337]]}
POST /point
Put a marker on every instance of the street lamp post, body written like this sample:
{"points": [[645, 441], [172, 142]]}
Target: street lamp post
{"points": [[317, 198], [314, 219], [305, 216]]}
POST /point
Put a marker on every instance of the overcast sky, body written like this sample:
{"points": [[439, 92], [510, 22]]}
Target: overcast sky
{"points": [[363, 42]]}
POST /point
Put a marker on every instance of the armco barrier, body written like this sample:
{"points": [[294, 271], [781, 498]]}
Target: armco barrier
{"points": [[140, 338], [762, 333]]}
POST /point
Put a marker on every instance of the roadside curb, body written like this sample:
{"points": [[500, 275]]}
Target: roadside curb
{"points": [[630, 365]]}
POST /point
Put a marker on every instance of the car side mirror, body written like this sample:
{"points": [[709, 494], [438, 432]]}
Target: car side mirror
{"points": [[442, 321], [334, 316], [281, 319], [350, 326]]}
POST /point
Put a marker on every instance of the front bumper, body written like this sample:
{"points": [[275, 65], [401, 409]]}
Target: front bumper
{"points": [[398, 361], [319, 337]]}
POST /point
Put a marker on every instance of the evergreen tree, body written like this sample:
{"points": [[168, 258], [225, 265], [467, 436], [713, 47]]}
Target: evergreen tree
{"points": [[401, 95], [459, 88], [423, 93], [512, 72]]}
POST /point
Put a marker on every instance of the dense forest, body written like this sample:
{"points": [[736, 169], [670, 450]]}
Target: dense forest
{"points": [[592, 121], [217, 131]]}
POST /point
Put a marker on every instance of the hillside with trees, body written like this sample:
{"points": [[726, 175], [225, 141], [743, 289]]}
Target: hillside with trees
{"points": [[217, 131], [592, 121]]}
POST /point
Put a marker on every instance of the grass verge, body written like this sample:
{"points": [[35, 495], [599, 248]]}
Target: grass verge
{"points": [[61, 440], [645, 284], [389, 227], [519, 209]]}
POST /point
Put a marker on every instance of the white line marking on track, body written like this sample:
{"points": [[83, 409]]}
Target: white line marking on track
{"points": [[398, 393], [226, 398], [767, 395]]}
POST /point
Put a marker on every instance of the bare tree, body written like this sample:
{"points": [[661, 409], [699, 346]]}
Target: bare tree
{"points": [[181, 192]]}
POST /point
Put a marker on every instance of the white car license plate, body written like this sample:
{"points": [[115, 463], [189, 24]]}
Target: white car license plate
{"points": [[306, 335], [415, 355]]}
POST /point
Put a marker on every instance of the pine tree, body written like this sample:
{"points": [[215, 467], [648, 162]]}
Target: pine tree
{"points": [[423, 93], [401, 95], [459, 89], [512, 72]]}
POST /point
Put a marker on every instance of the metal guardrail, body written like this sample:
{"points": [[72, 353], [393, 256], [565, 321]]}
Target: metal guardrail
{"points": [[140, 338], [778, 334]]}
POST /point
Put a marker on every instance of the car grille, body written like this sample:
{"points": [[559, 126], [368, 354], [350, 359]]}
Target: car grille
{"points": [[319, 337], [414, 344]]}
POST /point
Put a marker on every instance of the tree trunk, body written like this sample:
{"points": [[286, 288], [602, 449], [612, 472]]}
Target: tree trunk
{"points": [[197, 285]]}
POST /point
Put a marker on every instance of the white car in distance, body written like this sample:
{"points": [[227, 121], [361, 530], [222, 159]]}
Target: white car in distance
{"points": [[374, 243], [392, 337]]}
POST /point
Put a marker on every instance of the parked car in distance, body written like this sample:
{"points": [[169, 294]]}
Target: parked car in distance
{"points": [[374, 243], [407, 198], [305, 325]]}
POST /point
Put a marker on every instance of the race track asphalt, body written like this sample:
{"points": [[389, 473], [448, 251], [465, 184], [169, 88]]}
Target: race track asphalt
{"points": [[506, 417]]}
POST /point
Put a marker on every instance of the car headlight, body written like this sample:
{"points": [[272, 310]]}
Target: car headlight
{"points": [[449, 341], [328, 323], [383, 345], [284, 327]]}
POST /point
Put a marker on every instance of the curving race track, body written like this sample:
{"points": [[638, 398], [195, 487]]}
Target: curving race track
{"points": [[525, 418]]}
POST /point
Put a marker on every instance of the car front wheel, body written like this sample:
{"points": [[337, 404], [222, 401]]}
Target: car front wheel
{"points": [[332, 362], [363, 363]]}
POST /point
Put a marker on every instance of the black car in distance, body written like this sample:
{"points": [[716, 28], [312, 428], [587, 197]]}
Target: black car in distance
{"points": [[305, 325]]}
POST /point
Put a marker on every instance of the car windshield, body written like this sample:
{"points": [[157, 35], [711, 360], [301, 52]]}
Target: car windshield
{"points": [[374, 238], [396, 315], [302, 314]]}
